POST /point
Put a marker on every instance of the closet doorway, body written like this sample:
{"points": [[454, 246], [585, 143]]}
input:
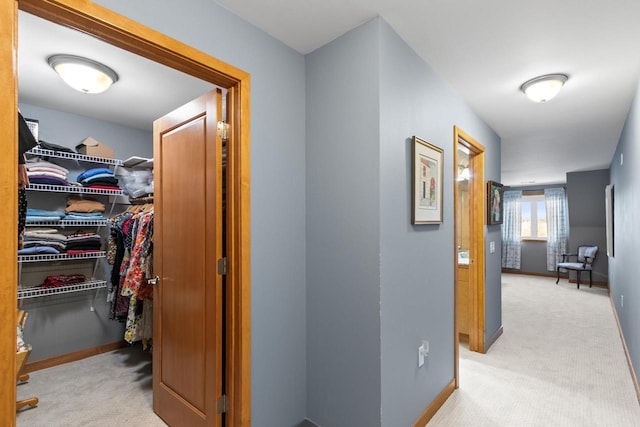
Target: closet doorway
{"points": [[131, 36], [469, 271]]}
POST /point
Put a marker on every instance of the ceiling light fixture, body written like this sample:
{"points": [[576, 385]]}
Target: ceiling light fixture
{"points": [[82, 74], [544, 88]]}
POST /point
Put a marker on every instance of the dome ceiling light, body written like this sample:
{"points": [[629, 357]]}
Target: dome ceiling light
{"points": [[82, 74], [544, 88]]}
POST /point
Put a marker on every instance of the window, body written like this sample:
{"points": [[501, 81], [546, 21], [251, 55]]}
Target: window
{"points": [[534, 218]]}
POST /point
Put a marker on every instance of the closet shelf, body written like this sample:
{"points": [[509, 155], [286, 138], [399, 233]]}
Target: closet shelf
{"points": [[73, 189], [73, 156], [69, 223], [37, 291], [60, 257]]}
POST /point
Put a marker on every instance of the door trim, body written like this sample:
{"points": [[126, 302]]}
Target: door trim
{"points": [[476, 247], [121, 31]]}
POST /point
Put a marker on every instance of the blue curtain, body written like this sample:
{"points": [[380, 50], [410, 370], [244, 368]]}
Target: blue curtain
{"points": [[557, 225], [511, 229]]}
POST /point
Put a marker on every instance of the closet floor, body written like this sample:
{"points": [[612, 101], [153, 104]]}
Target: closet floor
{"points": [[106, 390]]}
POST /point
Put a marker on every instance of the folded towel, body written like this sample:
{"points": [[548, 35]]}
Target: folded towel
{"points": [[94, 171], [42, 212]]}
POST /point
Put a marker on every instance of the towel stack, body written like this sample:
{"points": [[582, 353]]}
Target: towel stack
{"points": [[43, 172], [102, 178], [84, 208], [41, 215]]}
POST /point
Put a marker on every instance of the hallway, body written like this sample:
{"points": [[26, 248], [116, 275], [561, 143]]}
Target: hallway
{"points": [[559, 362]]}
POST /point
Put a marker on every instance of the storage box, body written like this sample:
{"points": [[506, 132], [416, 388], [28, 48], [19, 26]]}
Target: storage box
{"points": [[91, 147]]}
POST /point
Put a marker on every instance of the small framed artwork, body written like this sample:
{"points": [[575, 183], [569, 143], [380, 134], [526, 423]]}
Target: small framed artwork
{"points": [[495, 196], [427, 175]]}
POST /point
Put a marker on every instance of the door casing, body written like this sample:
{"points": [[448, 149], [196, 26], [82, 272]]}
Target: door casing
{"points": [[476, 247], [122, 32]]}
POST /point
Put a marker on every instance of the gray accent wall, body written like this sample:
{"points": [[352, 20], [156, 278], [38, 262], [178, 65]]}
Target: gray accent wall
{"points": [[585, 195], [377, 285], [343, 231], [623, 277], [417, 261]]}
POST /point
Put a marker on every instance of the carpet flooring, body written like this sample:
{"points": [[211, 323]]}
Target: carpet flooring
{"points": [[111, 389], [560, 362]]}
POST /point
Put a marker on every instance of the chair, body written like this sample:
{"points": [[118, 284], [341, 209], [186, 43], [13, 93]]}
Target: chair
{"points": [[585, 257]]}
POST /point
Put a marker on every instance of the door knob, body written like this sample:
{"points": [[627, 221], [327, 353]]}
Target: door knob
{"points": [[154, 281]]}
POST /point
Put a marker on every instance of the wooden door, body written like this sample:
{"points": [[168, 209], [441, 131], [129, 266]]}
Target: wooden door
{"points": [[187, 336]]}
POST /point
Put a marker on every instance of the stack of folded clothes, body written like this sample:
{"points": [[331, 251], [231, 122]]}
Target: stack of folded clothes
{"points": [[43, 240], [102, 178], [82, 242], [43, 172], [84, 208], [40, 215], [62, 280]]}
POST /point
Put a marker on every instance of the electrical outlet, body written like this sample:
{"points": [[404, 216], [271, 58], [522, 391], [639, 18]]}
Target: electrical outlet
{"points": [[492, 247]]}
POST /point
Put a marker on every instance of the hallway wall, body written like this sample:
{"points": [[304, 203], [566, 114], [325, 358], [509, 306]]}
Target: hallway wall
{"points": [[376, 285], [623, 280]]}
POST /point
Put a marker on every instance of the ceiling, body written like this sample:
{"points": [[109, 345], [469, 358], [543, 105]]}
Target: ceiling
{"points": [[483, 50]]}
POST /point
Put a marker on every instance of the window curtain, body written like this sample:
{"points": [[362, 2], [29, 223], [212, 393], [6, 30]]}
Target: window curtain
{"points": [[557, 225], [511, 229]]}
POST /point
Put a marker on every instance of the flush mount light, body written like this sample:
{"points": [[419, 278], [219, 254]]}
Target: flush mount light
{"points": [[82, 74], [543, 88]]}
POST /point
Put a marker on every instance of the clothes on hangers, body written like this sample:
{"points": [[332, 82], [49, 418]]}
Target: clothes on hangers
{"points": [[132, 266]]}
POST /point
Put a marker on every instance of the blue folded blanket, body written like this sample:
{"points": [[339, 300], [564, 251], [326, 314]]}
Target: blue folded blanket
{"points": [[41, 212], [38, 250], [92, 172]]}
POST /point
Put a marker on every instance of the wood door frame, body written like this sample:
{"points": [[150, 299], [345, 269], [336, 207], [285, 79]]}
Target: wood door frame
{"points": [[127, 34], [476, 246]]}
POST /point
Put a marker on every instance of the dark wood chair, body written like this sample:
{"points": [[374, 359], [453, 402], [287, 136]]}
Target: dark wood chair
{"points": [[585, 257]]}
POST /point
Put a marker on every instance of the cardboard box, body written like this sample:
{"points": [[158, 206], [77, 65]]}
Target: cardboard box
{"points": [[91, 147]]}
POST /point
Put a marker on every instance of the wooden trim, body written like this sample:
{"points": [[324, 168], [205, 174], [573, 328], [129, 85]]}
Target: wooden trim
{"points": [[73, 357], [493, 338], [8, 210], [437, 403], [634, 377], [477, 201], [121, 31]]}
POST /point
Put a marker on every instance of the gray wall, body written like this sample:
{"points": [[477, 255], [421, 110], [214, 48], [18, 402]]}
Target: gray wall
{"points": [[623, 277], [278, 322], [417, 261], [343, 231], [585, 195], [376, 285], [63, 324]]}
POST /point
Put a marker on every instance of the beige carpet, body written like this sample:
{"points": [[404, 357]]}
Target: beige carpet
{"points": [[560, 362], [112, 389]]}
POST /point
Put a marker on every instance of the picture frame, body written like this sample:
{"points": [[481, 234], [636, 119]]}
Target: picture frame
{"points": [[495, 203], [609, 219], [427, 185]]}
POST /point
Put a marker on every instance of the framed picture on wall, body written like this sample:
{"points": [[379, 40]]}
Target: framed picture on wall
{"points": [[427, 183], [495, 203]]}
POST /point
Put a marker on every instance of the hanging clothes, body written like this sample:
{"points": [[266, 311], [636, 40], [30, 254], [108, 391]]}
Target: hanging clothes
{"points": [[132, 234]]}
